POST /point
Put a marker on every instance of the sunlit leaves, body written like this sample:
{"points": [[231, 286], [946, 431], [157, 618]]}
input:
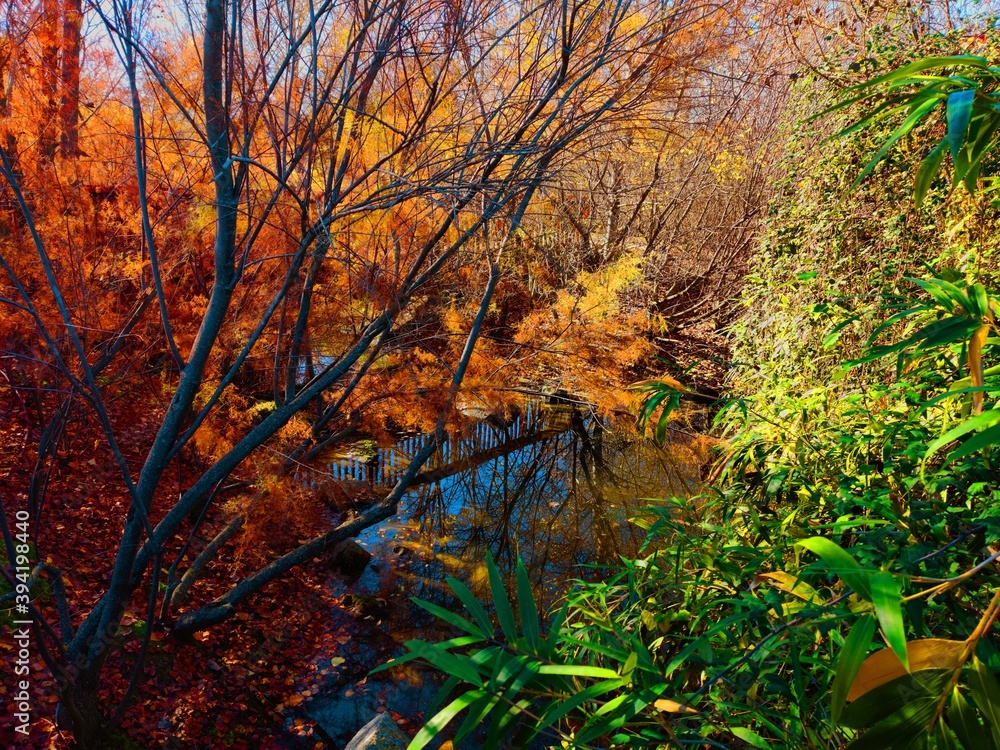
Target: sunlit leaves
{"points": [[838, 561], [956, 320], [793, 585], [970, 115], [662, 394]]}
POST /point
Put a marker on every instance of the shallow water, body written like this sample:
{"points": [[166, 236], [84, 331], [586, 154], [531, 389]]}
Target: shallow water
{"points": [[556, 485]]}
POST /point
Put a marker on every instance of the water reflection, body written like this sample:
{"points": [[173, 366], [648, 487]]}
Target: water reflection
{"points": [[557, 485]]}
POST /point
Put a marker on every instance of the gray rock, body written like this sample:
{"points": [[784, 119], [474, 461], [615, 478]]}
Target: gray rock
{"points": [[381, 733], [339, 717]]}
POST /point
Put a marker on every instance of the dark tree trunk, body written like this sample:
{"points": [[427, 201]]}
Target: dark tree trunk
{"points": [[69, 102], [79, 707], [49, 80]]}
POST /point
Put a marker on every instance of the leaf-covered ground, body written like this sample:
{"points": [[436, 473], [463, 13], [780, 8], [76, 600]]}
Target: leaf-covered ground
{"points": [[241, 685]]}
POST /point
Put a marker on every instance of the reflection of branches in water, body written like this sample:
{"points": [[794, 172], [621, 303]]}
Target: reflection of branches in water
{"points": [[562, 500]]}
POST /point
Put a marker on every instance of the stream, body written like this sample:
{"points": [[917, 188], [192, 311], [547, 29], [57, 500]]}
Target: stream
{"points": [[556, 485]]}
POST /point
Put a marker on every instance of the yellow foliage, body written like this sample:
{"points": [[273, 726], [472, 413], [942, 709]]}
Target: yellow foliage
{"points": [[453, 320], [729, 165]]}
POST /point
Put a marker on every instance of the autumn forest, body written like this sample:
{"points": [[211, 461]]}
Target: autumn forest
{"points": [[492, 374]]}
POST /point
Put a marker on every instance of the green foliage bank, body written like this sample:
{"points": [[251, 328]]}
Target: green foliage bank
{"points": [[837, 584]]}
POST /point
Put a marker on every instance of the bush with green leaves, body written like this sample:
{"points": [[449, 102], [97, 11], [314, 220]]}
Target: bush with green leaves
{"points": [[757, 615]]}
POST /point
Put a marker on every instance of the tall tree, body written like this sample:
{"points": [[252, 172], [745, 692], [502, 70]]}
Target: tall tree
{"points": [[69, 99]]}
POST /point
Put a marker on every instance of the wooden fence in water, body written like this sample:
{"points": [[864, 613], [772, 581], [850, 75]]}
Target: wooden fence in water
{"points": [[482, 439]]}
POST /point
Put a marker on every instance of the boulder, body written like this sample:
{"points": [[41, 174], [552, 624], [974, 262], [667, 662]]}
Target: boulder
{"points": [[349, 559], [381, 733]]}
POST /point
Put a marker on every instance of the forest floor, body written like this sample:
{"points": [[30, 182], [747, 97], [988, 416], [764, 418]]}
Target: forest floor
{"points": [[243, 684]]}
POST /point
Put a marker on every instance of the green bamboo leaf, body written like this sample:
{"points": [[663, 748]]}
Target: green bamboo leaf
{"points": [[502, 720], [485, 656], [977, 422], [443, 693], [950, 330], [579, 670], [891, 321], [624, 711], [452, 664], [944, 737], [958, 115], [600, 723], [887, 110], [963, 720], [888, 603], [472, 604], [660, 433], [598, 648], [981, 301], [852, 655], [840, 562], [944, 293], [520, 678], [696, 643], [986, 691], [957, 329], [649, 407], [875, 705], [750, 737], [970, 178], [465, 640], [984, 439], [526, 606], [972, 157], [927, 171], [560, 709], [505, 664], [946, 282], [500, 601], [555, 629], [889, 107], [903, 730], [926, 63], [508, 696], [439, 721], [908, 124], [629, 667], [449, 617], [478, 712]]}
